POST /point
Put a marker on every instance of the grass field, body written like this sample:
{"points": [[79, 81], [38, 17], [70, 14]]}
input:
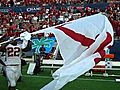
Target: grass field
{"points": [[35, 82]]}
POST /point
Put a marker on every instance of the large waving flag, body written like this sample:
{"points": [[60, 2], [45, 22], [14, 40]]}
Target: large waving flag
{"points": [[82, 44]]}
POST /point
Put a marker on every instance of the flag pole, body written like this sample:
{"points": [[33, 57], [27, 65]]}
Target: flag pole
{"points": [[56, 52]]}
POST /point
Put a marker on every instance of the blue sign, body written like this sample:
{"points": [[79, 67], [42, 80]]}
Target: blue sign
{"points": [[20, 9], [28, 9], [97, 5], [47, 42]]}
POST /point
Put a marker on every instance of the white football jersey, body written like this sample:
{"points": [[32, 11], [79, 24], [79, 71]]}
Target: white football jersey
{"points": [[13, 54]]}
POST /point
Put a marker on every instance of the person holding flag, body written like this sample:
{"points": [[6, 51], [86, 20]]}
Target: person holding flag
{"points": [[13, 50]]}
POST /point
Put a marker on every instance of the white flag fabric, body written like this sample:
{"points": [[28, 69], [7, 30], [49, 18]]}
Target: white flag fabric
{"points": [[82, 44]]}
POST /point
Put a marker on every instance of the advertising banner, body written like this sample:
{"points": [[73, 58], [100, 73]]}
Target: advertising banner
{"points": [[28, 9]]}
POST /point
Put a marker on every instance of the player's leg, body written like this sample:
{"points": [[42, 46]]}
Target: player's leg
{"points": [[4, 71], [11, 77], [19, 79], [11, 88], [18, 74]]}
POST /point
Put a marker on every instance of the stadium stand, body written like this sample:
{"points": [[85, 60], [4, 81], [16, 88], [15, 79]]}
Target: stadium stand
{"points": [[17, 16]]}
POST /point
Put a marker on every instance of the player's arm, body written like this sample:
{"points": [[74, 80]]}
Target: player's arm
{"points": [[3, 38], [1, 62], [28, 46], [3, 47]]}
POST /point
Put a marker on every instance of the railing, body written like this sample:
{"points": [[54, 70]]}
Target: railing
{"points": [[55, 64]]}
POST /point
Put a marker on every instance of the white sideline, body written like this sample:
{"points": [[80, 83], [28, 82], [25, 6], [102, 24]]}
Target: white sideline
{"points": [[29, 59], [77, 78]]}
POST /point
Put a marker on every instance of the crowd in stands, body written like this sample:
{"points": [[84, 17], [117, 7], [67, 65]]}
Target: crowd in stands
{"points": [[13, 23], [11, 3]]}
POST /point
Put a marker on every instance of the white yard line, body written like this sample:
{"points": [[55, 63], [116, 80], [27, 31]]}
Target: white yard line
{"points": [[84, 79], [36, 76]]}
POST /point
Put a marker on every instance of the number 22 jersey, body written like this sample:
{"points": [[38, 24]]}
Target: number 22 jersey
{"points": [[13, 54]]}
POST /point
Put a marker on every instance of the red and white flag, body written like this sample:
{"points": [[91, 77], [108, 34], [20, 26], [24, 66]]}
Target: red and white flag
{"points": [[82, 44]]}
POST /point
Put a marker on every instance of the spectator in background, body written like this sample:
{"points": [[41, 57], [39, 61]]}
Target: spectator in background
{"points": [[37, 66], [49, 55], [42, 51], [58, 12]]}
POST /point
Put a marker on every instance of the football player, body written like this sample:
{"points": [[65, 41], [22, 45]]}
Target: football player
{"points": [[13, 51]]}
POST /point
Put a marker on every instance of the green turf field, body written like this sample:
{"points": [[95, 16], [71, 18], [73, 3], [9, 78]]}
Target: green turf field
{"points": [[35, 82]]}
